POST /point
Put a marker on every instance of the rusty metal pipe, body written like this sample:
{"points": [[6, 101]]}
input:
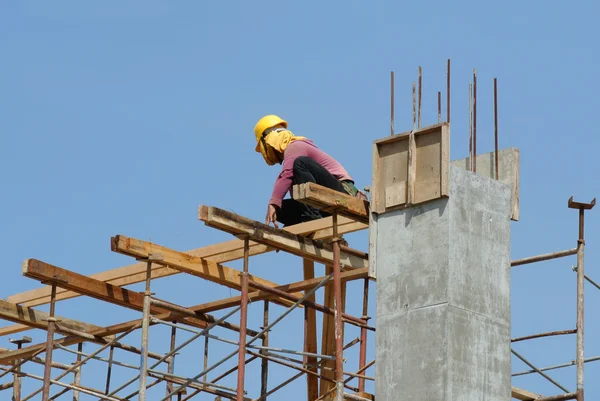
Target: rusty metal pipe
{"points": [[145, 329], [548, 334], [171, 362], [545, 376], [108, 369], [561, 397], [580, 315], [540, 258], [264, 366], [564, 365], [243, 321], [337, 303], [49, 345], [362, 359], [310, 304]]}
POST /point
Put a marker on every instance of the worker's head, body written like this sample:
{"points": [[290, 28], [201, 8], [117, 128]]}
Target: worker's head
{"points": [[262, 130]]}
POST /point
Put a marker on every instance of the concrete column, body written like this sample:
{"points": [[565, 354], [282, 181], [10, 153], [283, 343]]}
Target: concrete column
{"points": [[443, 295]]}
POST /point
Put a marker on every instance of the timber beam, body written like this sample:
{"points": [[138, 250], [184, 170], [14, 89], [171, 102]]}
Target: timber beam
{"points": [[63, 278], [329, 200], [524, 395], [220, 253], [187, 263], [299, 245], [207, 307]]}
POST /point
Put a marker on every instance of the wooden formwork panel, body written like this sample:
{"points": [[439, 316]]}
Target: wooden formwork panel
{"points": [[410, 168]]}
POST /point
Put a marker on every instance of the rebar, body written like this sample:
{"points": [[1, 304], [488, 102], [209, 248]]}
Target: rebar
{"points": [[448, 94], [420, 92], [496, 123], [392, 130], [474, 120]]}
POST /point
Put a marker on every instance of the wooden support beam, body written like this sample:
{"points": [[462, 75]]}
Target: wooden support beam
{"points": [[329, 200], [220, 253], [38, 319], [296, 244], [105, 292], [524, 395], [187, 263], [310, 336], [7, 357]]}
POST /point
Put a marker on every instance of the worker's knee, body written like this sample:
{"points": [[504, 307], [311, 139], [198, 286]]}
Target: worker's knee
{"points": [[302, 163]]}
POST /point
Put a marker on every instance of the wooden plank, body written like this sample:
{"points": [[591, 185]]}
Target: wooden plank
{"points": [[105, 292], [329, 200], [37, 319], [205, 308], [524, 395], [419, 158], [310, 335], [220, 253], [186, 263], [296, 244]]}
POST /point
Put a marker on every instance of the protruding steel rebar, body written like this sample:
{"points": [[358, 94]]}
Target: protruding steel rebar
{"points": [[414, 100], [471, 127], [496, 123], [474, 120], [420, 93], [392, 129], [448, 94], [49, 345], [439, 107]]}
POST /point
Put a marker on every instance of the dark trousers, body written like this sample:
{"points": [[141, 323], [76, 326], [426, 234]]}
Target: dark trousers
{"points": [[306, 170]]}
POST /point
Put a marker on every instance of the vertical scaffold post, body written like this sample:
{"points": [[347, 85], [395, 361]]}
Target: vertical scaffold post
{"points": [[145, 329], [362, 359], [264, 371], [16, 376], [243, 321], [337, 302], [77, 379], [171, 362], [582, 207], [49, 345]]}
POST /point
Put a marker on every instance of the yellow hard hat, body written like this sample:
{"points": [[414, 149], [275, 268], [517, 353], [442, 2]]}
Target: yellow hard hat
{"points": [[265, 123]]}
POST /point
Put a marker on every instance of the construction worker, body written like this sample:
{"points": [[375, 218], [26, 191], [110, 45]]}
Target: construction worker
{"points": [[302, 161]]}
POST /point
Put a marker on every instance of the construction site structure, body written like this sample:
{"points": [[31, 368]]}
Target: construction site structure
{"points": [[439, 253]]}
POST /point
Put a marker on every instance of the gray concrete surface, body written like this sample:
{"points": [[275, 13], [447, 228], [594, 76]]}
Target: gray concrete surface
{"points": [[443, 295], [508, 171]]}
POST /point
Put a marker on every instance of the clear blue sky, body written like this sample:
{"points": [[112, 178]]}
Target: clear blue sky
{"points": [[121, 118]]}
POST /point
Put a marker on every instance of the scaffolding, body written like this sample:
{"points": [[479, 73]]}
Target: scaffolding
{"points": [[320, 241]]}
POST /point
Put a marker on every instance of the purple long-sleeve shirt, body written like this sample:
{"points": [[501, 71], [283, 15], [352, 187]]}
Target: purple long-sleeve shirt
{"points": [[304, 147]]}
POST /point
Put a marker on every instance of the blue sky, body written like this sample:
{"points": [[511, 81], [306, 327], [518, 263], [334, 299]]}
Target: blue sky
{"points": [[121, 118]]}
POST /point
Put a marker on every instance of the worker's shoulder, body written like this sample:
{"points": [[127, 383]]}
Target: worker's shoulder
{"points": [[304, 142]]}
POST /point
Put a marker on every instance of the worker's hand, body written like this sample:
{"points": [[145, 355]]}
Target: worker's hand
{"points": [[271, 216]]}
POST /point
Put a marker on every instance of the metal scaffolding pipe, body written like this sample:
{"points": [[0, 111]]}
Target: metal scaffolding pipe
{"points": [[549, 334], [546, 256], [264, 330], [545, 376], [49, 345], [564, 365]]}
